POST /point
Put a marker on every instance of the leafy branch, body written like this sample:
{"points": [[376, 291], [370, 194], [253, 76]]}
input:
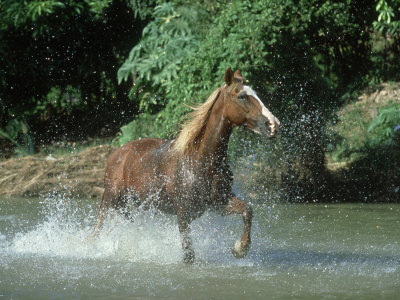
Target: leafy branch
{"points": [[386, 22], [166, 43]]}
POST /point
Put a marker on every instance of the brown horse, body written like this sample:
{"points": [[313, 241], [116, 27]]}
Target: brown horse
{"points": [[189, 174]]}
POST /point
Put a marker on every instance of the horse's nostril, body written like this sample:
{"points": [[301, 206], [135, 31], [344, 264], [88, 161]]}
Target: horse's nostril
{"points": [[268, 124]]}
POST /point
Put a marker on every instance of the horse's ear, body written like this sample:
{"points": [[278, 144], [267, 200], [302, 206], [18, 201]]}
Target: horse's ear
{"points": [[238, 74], [228, 76]]}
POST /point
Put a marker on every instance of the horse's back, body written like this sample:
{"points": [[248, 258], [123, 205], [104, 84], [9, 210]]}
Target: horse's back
{"points": [[130, 163]]}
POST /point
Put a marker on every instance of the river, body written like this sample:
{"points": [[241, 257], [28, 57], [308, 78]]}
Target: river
{"points": [[299, 251]]}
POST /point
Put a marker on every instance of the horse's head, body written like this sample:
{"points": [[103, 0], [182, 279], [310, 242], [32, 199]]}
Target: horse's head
{"points": [[243, 106]]}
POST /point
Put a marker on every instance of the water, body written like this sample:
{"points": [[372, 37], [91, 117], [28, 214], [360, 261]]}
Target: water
{"points": [[318, 251]]}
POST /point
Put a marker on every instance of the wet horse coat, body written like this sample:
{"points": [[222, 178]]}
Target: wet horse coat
{"points": [[190, 174]]}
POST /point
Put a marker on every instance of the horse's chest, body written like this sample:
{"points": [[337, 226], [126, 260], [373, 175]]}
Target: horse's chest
{"points": [[189, 179], [207, 188]]}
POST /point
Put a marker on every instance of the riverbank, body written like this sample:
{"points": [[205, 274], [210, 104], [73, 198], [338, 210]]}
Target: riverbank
{"points": [[76, 175], [81, 175], [364, 159]]}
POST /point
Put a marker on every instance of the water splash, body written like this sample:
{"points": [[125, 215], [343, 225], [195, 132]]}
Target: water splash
{"points": [[46, 254], [151, 237]]}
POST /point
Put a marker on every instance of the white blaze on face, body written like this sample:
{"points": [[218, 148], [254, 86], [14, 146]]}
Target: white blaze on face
{"points": [[274, 122]]}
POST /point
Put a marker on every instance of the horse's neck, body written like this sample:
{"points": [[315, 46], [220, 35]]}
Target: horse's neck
{"points": [[215, 137]]}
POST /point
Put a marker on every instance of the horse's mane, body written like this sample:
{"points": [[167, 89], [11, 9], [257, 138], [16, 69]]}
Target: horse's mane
{"points": [[186, 141]]}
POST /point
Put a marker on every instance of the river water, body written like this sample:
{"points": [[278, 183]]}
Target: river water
{"points": [[313, 251]]}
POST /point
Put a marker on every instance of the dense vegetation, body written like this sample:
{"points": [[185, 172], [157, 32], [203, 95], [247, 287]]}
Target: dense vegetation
{"points": [[74, 69], [59, 61]]}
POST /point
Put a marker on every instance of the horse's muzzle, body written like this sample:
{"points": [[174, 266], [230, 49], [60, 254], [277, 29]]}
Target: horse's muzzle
{"points": [[273, 126], [267, 127]]}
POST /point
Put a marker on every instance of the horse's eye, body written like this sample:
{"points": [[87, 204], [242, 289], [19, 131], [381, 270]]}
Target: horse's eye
{"points": [[242, 97]]}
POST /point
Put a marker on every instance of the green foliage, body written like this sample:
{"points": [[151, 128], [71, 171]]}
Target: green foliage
{"points": [[349, 138], [383, 125], [98, 6], [59, 100], [15, 131], [22, 14], [142, 9], [140, 127], [166, 43], [58, 64], [289, 52], [387, 22], [368, 147], [357, 133], [386, 46]]}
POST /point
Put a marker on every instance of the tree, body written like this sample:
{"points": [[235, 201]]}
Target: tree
{"points": [[59, 61]]}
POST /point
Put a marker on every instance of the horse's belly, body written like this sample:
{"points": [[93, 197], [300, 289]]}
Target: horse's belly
{"points": [[150, 196], [166, 206]]}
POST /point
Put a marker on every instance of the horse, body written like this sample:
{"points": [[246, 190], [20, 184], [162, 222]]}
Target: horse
{"points": [[190, 174]]}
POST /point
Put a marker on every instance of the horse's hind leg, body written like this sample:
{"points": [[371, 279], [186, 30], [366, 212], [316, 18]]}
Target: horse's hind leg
{"points": [[101, 215], [106, 203], [235, 206]]}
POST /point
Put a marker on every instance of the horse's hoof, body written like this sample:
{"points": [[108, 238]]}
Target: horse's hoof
{"points": [[239, 251]]}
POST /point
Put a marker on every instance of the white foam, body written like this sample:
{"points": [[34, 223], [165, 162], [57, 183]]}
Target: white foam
{"points": [[140, 241], [151, 237]]}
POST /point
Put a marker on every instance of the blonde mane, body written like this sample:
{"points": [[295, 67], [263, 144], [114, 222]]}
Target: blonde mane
{"points": [[186, 141]]}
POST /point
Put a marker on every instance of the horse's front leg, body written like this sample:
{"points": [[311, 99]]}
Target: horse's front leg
{"points": [[235, 206], [184, 228]]}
